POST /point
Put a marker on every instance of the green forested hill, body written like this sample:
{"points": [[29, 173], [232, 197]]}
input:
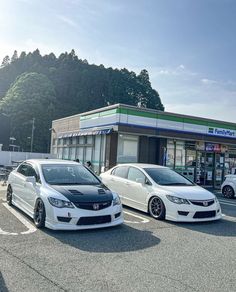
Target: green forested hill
{"points": [[47, 87]]}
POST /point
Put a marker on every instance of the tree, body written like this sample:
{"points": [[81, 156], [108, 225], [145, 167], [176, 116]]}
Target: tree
{"points": [[14, 56], [31, 96], [5, 61]]}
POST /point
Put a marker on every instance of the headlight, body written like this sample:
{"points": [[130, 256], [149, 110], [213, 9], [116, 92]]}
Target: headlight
{"points": [[60, 203], [116, 201], [177, 200]]}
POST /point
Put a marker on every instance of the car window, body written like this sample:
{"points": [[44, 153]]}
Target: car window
{"points": [[22, 169], [63, 174], [120, 171], [136, 175], [167, 177], [32, 172]]}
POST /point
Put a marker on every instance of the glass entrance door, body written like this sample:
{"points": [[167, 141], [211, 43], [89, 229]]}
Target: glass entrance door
{"points": [[209, 169], [219, 170]]}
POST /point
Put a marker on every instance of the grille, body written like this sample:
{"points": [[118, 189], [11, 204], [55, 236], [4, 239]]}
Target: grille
{"points": [[90, 206], [94, 220], [183, 213], [207, 214], [203, 203], [117, 215], [64, 219]]}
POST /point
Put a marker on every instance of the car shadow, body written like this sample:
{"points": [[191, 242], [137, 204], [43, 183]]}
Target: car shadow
{"points": [[122, 238], [222, 227], [3, 287]]}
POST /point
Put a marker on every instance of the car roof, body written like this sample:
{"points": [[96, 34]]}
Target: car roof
{"points": [[142, 165], [50, 161]]}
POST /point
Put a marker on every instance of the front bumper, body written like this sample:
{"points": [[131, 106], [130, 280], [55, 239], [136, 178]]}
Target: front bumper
{"points": [[74, 215], [174, 211]]}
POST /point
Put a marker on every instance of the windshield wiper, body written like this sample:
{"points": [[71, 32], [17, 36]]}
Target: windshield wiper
{"points": [[177, 184], [64, 184]]}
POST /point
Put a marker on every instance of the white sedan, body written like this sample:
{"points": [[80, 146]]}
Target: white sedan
{"points": [[63, 195], [162, 192], [228, 187]]}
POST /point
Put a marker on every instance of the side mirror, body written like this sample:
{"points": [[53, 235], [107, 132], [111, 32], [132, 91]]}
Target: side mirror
{"points": [[30, 179]]}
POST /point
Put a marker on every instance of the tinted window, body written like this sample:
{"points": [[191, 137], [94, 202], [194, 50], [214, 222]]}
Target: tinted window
{"points": [[120, 171], [136, 175], [167, 177], [22, 169], [68, 174], [28, 170]]}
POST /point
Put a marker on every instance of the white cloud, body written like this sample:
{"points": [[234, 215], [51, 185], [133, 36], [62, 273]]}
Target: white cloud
{"points": [[67, 20], [208, 81]]}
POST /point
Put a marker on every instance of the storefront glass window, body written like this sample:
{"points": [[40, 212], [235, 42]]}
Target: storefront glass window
{"points": [[59, 152], [80, 154], [66, 153], [170, 153], [180, 155], [72, 153], [127, 148]]}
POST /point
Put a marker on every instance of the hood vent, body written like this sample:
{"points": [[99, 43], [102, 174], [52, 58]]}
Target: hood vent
{"points": [[75, 192], [101, 191]]}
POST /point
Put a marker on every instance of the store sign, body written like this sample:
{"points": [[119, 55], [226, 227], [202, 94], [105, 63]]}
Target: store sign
{"points": [[222, 132], [213, 147]]}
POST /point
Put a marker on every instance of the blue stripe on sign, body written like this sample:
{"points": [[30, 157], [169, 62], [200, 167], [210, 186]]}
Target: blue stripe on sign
{"points": [[165, 129]]}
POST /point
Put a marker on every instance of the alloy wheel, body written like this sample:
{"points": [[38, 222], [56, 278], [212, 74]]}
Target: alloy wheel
{"points": [[39, 214], [157, 208], [228, 192], [9, 196]]}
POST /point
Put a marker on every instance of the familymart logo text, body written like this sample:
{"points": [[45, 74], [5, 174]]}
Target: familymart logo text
{"points": [[221, 132]]}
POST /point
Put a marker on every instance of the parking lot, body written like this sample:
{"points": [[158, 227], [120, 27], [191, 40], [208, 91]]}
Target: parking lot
{"points": [[141, 255]]}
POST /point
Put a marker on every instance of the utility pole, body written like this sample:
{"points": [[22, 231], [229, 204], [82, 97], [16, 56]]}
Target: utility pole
{"points": [[32, 135]]}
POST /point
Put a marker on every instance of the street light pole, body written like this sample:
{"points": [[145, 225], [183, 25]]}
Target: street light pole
{"points": [[32, 135]]}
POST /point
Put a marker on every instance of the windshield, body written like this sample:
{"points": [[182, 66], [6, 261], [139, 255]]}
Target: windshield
{"points": [[62, 174], [167, 177]]}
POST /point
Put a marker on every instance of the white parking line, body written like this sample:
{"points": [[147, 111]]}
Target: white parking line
{"points": [[226, 203], [28, 225], [229, 217], [144, 220]]}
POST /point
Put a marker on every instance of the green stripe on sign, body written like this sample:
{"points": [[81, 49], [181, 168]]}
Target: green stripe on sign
{"points": [[98, 115], [174, 118]]}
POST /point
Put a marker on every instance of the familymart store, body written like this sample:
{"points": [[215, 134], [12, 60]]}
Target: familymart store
{"points": [[202, 149]]}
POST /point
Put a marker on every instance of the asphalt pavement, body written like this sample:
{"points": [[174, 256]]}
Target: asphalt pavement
{"points": [[141, 255]]}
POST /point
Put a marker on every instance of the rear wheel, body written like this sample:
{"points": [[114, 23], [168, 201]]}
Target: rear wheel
{"points": [[9, 195], [157, 208], [39, 214], [228, 192]]}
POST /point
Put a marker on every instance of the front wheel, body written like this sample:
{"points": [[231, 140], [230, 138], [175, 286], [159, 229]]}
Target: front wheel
{"points": [[39, 214], [9, 195], [228, 192], [157, 208]]}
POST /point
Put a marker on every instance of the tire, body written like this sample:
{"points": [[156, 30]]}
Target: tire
{"points": [[228, 192], [39, 214], [9, 196], [157, 208]]}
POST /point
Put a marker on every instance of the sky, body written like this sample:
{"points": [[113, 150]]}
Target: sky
{"points": [[187, 46]]}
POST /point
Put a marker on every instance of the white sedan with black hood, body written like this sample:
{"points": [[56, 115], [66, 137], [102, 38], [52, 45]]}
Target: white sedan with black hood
{"points": [[63, 195]]}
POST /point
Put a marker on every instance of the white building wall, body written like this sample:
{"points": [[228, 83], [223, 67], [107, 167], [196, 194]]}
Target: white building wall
{"points": [[8, 157]]}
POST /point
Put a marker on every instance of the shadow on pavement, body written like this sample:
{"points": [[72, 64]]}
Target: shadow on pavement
{"points": [[223, 227], [3, 287], [122, 238]]}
